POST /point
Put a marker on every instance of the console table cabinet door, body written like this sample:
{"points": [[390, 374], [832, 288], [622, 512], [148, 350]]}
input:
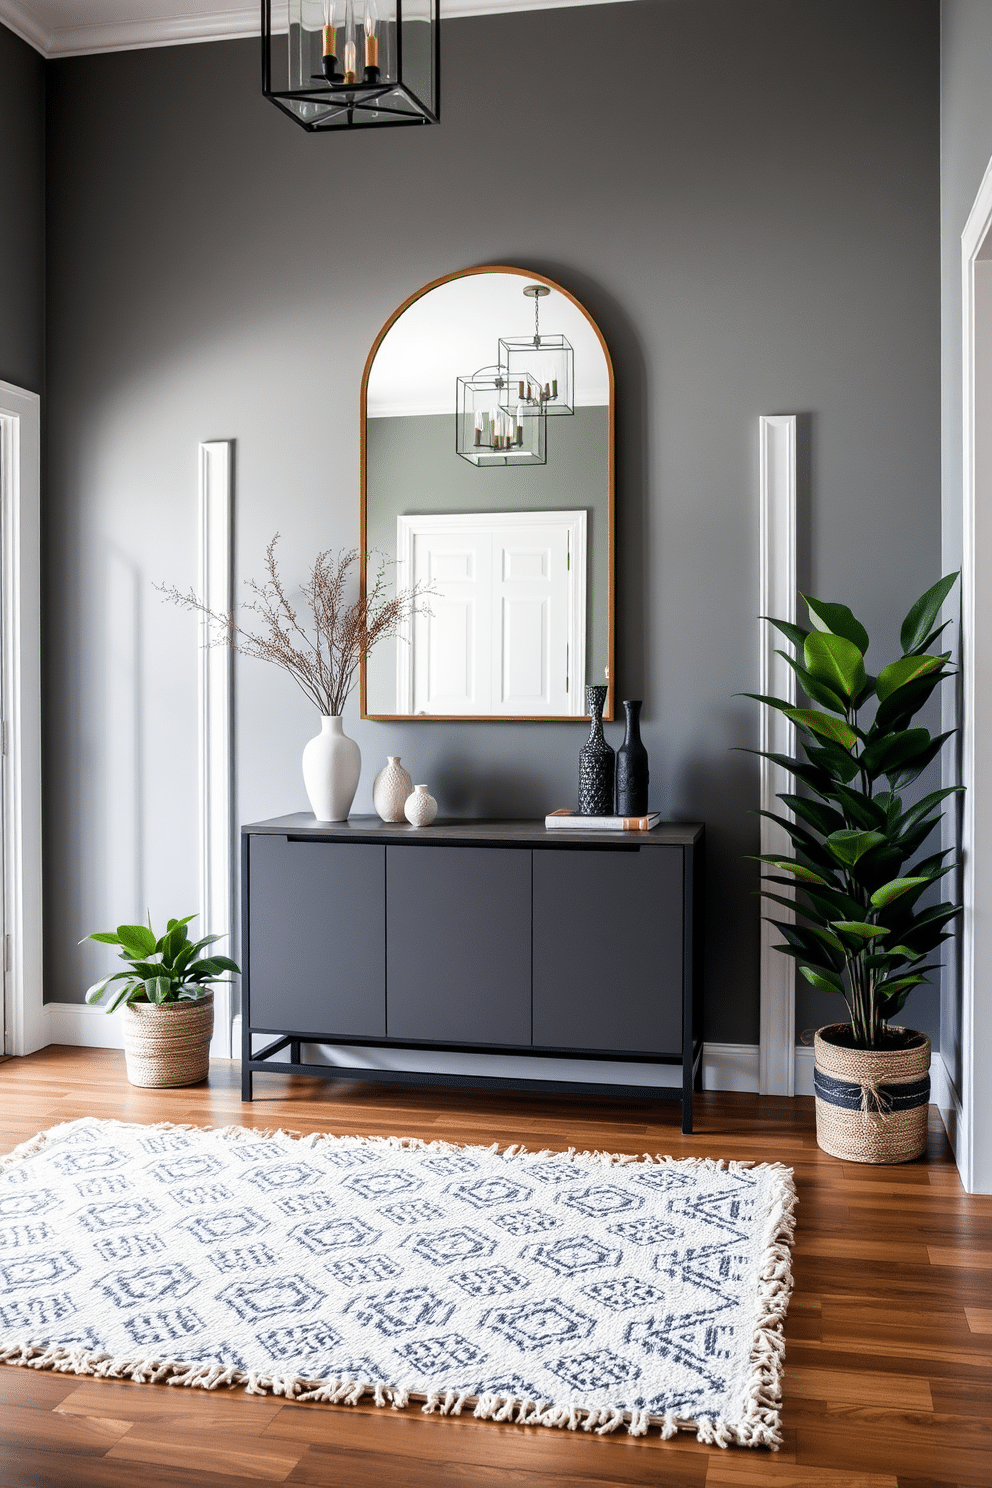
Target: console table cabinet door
{"points": [[458, 924], [317, 916], [608, 949]]}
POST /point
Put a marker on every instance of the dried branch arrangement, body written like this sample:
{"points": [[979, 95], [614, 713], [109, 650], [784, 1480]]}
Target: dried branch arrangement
{"points": [[322, 654]]}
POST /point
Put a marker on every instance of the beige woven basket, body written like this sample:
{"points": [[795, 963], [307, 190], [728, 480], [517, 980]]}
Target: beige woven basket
{"points": [[168, 1044], [871, 1104]]}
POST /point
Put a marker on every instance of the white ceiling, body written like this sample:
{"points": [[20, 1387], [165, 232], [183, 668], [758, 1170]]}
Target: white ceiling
{"points": [[67, 28]]}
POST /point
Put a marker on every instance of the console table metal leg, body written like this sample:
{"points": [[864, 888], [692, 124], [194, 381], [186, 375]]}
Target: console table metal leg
{"points": [[294, 1051]]}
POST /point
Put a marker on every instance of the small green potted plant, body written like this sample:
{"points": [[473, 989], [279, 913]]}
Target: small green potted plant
{"points": [[166, 1000], [860, 931]]}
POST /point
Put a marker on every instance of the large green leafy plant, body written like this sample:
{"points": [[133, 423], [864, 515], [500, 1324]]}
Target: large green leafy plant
{"points": [[167, 968], [860, 931]]}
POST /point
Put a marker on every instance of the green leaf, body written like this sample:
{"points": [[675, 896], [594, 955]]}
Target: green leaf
{"points": [[860, 928], [136, 939], [817, 813], [904, 775], [907, 669], [848, 847], [806, 875], [107, 937], [927, 803], [816, 691], [130, 992], [824, 981], [921, 617], [794, 633], [838, 620], [157, 989], [832, 760], [895, 751], [836, 662], [894, 889], [928, 641], [821, 724]]}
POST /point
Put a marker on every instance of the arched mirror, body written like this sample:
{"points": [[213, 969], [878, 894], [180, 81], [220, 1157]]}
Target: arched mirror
{"points": [[487, 476]]}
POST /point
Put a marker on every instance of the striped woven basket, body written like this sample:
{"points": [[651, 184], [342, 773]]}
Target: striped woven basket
{"points": [[168, 1044], [871, 1104]]}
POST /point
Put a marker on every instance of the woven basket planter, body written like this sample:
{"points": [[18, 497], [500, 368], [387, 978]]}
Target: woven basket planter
{"points": [[871, 1104], [168, 1044]]}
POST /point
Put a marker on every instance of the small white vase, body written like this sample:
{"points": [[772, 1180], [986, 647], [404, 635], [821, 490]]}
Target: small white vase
{"points": [[392, 786], [332, 764], [421, 808]]}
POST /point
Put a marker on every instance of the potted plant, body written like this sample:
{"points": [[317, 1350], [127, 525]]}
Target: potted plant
{"points": [[322, 654], [865, 925], [166, 1000]]}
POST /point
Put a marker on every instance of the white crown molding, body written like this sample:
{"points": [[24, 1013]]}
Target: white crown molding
{"points": [[128, 34], [25, 24]]}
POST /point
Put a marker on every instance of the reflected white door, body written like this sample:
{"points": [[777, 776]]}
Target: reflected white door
{"points": [[506, 629]]}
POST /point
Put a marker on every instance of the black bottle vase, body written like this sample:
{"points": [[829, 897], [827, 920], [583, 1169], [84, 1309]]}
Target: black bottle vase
{"points": [[632, 766], [597, 761]]}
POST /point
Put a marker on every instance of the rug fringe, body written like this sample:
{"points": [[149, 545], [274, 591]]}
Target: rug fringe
{"points": [[759, 1421]]}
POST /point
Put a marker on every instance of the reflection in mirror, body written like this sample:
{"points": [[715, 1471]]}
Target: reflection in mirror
{"points": [[477, 485]]}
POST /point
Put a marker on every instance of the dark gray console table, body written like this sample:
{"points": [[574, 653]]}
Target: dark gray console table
{"points": [[490, 937]]}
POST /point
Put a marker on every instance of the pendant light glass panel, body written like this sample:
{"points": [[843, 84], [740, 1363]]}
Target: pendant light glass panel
{"points": [[349, 64], [539, 372], [489, 433]]}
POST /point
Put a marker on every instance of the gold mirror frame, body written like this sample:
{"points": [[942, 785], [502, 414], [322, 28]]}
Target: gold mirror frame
{"points": [[609, 711]]}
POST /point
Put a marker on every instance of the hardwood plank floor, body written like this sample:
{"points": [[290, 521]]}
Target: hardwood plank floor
{"points": [[888, 1379]]}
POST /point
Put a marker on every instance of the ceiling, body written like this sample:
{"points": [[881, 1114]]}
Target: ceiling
{"points": [[67, 28]]}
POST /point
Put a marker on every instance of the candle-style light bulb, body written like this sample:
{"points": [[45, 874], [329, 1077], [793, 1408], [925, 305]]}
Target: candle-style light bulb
{"points": [[371, 41], [350, 47], [329, 46], [479, 425]]}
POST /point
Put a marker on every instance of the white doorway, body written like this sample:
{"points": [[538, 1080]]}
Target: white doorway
{"points": [[504, 631], [25, 1028], [974, 1135]]}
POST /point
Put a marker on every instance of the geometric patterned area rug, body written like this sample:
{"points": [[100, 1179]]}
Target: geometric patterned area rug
{"points": [[580, 1290]]}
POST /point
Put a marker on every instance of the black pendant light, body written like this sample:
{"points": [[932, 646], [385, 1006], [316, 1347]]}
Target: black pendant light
{"points": [[344, 65]]}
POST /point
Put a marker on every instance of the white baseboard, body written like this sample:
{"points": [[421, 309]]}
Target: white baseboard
{"points": [[82, 1025], [725, 1066]]}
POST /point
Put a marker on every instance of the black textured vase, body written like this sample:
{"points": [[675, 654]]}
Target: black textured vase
{"points": [[597, 762], [632, 766]]}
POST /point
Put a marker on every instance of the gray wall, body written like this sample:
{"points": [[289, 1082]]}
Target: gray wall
{"points": [[966, 148], [22, 213], [755, 228], [412, 467]]}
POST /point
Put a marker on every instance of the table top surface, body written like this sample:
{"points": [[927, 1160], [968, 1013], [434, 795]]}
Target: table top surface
{"points": [[470, 832]]}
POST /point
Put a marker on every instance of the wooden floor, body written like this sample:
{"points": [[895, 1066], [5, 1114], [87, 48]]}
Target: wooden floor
{"points": [[888, 1379]]}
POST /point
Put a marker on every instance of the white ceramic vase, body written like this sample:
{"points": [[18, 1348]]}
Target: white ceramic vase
{"points": [[392, 786], [420, 808], [332, 764]]}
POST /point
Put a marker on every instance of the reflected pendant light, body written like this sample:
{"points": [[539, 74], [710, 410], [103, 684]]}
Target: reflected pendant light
{"points": [[539, 370], [489, 433], [348, 66]]}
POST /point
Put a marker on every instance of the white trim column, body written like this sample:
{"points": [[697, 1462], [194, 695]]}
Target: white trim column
{"points": [[973, 1148], [777, 596], [20, 690], [215, 722]]}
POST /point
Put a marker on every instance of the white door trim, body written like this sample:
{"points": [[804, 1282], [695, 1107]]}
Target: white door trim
{"points": [[974, 1135], [20, 595], [215, 722], [777, 596]]}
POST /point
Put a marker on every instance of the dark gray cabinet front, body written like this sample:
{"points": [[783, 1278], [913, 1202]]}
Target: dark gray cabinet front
{"points": [[458, 930], [317, 924], [608, 949]]}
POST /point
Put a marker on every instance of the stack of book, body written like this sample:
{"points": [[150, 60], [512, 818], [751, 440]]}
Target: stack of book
{"points": [[572, 821]]}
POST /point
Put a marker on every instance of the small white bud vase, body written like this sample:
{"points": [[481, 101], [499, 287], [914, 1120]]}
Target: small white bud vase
{"points": [[421, 808], [332, 764], [392, 786]]}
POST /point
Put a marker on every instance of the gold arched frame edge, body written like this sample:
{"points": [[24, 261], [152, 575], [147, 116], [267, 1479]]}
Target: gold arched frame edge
{"points": [[609, 712]]}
